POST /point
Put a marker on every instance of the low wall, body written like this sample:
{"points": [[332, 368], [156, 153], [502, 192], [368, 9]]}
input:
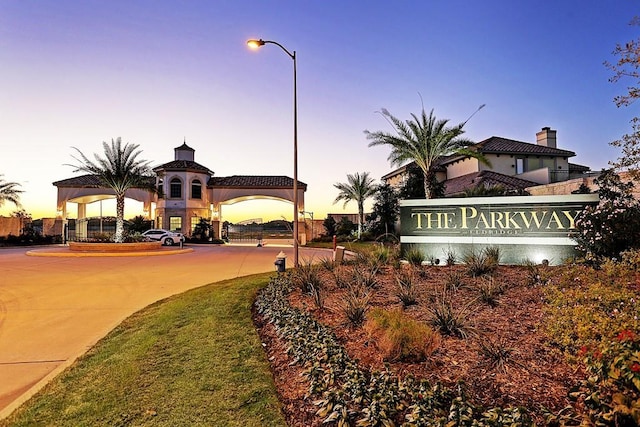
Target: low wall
{"points": [[114, 247], [9, 225]]}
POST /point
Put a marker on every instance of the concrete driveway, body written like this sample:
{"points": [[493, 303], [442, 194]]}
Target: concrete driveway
{"points": [[53, 309]]}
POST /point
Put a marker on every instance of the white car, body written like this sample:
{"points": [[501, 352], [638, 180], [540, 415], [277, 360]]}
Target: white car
{"points": [[167, 237]]}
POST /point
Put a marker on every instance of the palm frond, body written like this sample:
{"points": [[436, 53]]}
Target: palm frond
{"points": [[9, 192]]}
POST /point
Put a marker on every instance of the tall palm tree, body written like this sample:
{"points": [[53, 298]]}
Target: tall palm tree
{"points": [[358, 188], [9, 192], [118, 170], [423, 140]]}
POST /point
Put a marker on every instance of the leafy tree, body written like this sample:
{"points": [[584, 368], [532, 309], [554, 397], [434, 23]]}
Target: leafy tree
{"points": [[358, 189], [345, 227], [583, 189], [423, 140], [9, 192], [385, 212], [627, 67], [203, 230], [118, 170], [413, 187], [329, 225]]}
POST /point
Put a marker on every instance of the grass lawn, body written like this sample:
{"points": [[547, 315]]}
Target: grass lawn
{"points": [[193, 359]]}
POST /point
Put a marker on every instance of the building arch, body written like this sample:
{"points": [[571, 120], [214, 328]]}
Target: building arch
{"points": [[87, 189]]}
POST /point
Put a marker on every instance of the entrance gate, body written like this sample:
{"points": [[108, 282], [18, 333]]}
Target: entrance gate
{"points": [[254, 231]]}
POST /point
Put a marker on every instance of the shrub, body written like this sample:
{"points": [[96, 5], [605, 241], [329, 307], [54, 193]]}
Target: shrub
{"points": [[611, 394], [356, 304], [449, 319], [101, 238], [493, 254], [134, 238], [400, 337], [496, 353], [364, 276], [405, 287], [536, 274], [585, 306], [489, 290], [483, 262], [414, 256], [611, 227], [307, 278], [454, 281], [451, 257]]}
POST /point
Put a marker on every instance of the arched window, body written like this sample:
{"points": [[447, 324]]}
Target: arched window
{"points": [[176, 188], [196, 189]]}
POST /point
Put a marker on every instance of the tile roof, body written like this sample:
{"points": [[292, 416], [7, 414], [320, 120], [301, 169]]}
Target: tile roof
{"points": [[181, 165], [264, 181], [574, 167], [497, 144], [88, 181], [488, 179]]}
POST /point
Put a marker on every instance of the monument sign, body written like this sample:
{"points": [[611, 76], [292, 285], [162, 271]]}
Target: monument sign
{"points": [[533, 228]]}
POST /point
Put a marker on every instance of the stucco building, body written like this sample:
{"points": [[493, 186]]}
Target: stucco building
{"points": [[186, 192], [515, 165]]}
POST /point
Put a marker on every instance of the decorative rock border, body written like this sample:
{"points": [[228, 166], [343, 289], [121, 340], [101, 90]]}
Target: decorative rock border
{"points": [[114, 247]]}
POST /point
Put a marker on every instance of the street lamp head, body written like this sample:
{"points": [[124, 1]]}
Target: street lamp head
{"points": [[255, 44]]}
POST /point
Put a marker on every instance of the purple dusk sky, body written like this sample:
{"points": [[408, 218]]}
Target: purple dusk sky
{"points": [[76, 73]]}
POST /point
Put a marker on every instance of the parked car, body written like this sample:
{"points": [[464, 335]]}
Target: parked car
{"points": [[167, 237]]}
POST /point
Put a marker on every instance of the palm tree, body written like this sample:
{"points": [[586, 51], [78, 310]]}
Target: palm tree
{"points": [[9, 192], [118, 170], [358, 189], [423, 140]]}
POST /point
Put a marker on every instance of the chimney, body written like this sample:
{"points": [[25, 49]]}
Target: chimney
{"points": [[546, 137]]}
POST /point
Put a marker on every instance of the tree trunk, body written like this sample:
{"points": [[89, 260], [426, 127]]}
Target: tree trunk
{"points": [[427, 187], [360, 219], [119, 237]]}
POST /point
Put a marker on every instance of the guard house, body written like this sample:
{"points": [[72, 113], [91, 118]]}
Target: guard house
{"points": [[186, 192]]}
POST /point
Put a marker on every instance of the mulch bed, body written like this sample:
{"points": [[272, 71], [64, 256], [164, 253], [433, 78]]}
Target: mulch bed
{"points": [[535, 375]]}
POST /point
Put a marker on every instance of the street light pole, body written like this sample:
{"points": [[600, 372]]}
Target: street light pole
{"points": [[256, 44]]}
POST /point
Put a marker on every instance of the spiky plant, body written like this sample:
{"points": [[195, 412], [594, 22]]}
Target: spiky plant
{"points": [[405, 287]]}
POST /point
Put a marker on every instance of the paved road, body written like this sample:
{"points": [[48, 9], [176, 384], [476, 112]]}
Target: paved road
{"points": [[53, 309]]}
